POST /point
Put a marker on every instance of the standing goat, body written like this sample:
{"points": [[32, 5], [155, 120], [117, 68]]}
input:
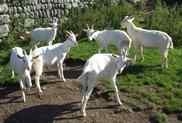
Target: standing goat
{"points": [[106, 37], [44, 34], [50, 55], [100, 67], [21, 64], [148, 38]]}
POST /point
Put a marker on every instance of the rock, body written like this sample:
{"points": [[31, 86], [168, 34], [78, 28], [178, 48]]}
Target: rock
{"points": [[4, 29], [4, 19], [3, 8]]}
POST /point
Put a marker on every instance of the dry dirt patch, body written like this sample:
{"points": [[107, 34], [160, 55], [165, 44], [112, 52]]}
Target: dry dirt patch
{"points": [[60, 103]]}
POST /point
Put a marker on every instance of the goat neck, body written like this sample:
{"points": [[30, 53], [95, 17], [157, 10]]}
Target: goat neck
{"points": [[94, 35], [130, 27], [68, 44]]}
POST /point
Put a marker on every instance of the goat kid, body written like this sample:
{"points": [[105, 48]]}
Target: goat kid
{"points": [[100, 67], [21, 64], [50, 55], [106, 37], [44, 34]]}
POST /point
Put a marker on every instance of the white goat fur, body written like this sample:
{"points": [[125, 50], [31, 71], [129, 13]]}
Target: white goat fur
{"points": [[47, 35], [106, 37], [50, 55], [20, 63], [148, 38], [100, 67]]}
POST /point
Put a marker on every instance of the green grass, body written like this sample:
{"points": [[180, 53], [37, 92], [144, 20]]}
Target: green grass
{"points": [[143, 81], [146, 80]]}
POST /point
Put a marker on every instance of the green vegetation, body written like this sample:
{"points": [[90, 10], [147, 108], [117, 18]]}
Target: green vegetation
{"points": [[144, 81], [158, 117]]}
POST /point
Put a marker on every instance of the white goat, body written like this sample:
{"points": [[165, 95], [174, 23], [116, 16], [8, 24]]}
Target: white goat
{"points": [[44, 34], [21, 64], [50, 55], [100, 67], [148, 38], [106, 37]]}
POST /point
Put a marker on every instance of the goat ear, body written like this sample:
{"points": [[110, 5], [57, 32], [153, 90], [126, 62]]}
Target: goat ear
{"points": [[114, 55], [68, 32], [126, 17]]}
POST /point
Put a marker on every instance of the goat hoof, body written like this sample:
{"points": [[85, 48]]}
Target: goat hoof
{"points": [[64, 80], [24, 100], [44, 88], [84, 114], [120, 103]]}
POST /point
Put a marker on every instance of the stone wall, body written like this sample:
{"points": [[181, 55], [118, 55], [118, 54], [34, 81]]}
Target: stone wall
{"points": [[36, 9], [43, 8], [4, 20]]}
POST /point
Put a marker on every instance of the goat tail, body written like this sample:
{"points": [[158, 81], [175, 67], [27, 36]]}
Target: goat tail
{"points": [[82, 77], [12, 74], [171, 45], [170, 42]]}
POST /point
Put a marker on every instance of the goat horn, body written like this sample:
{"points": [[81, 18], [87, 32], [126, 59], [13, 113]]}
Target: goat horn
{"points": [[88, 26], [24, 52], [30, 52], [92, 26], [68, 32], [72, 32]]}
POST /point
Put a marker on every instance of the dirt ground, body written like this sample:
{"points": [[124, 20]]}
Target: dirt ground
{"points": [[60, 103]]}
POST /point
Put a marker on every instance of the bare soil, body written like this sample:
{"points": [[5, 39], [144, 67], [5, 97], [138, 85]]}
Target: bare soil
{"points": [[60, 103]]}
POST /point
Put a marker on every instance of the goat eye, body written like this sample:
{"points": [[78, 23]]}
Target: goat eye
{"points": [[27, 68]]}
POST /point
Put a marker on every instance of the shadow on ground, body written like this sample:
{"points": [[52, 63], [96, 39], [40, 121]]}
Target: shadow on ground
{"points": [[44, 113], [51, 113], [4, 95]]}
